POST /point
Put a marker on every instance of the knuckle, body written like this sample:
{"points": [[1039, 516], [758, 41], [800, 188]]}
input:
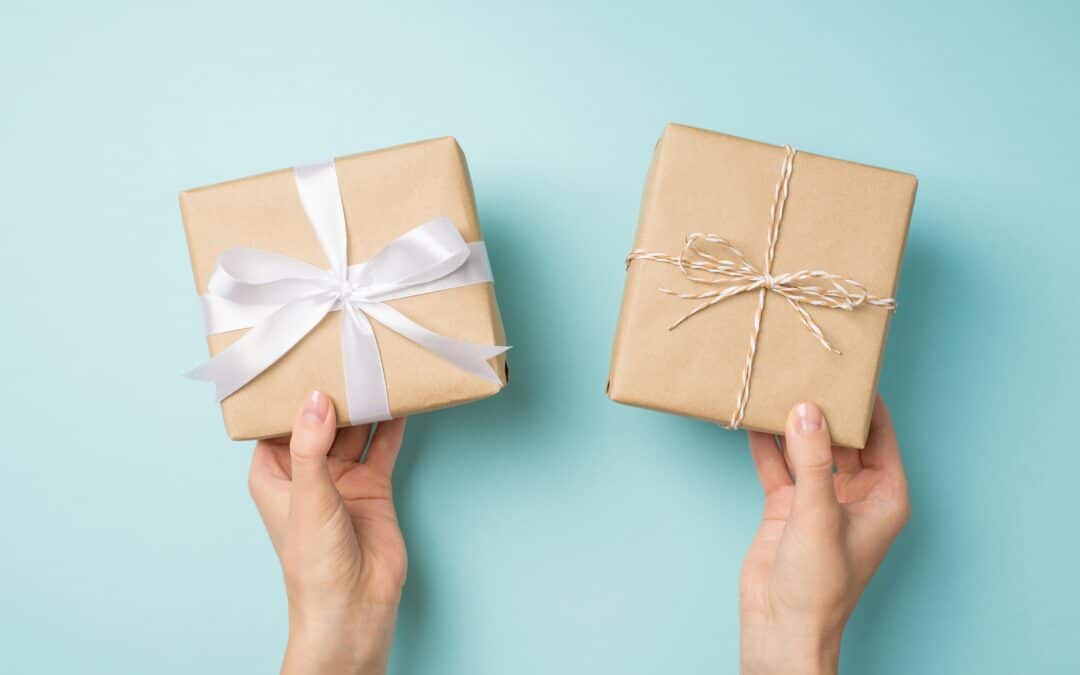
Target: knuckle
{"points": [[256, 483], [305, 459], [816, 460], [309, 444], [903, 513], [817, 469]]}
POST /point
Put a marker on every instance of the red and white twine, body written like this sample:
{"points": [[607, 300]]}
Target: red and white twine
{"points": [[737, 275]]}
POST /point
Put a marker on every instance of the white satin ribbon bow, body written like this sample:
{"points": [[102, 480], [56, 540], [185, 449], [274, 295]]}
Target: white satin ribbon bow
{"points": [[282, 299]]}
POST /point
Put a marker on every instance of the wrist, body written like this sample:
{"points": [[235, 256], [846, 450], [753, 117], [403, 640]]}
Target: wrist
{"points": [[355, 642], [768, 650]]}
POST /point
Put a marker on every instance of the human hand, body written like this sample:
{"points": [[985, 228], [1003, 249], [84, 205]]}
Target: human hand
{"points": [[821, 540], [333, 525]]}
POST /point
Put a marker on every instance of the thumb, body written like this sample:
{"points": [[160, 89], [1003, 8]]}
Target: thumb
{"points": [[810, 451], [312, 435]]}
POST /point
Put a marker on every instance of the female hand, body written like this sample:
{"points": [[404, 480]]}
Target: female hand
{"points": [[332, 522], [821, 540]]}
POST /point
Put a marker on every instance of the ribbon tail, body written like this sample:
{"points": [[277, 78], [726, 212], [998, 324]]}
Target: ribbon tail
{"points": [[365, 383], [263, 345], [472, 357]]}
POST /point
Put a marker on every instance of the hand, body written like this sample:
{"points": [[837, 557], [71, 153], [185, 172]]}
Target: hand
{"points": [[332, 522], [821, 540]]}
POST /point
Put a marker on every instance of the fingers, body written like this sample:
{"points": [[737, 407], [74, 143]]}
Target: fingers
{"points": [[772, 471], [265, 465], [783, 450], [882, 451], [350, 442], [847, 460], [385, 446], [312, 436], [809, 448], [268, 484]]}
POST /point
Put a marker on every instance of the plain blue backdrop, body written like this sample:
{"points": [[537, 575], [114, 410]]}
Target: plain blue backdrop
{"points": [[549, 530]]}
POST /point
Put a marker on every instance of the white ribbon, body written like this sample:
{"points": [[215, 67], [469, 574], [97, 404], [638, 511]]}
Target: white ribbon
{"points": [[281, 299]]}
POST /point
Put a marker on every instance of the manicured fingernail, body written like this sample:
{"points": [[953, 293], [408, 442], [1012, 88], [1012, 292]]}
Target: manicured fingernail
{"points": [[316, 407], [807, 418]]}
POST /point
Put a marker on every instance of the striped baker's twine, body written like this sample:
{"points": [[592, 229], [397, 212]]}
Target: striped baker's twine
{"points": [[737, 275]]}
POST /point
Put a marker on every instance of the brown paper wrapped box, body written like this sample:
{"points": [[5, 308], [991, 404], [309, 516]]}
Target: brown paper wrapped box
{"points": [[385, 193], [840, 217]]}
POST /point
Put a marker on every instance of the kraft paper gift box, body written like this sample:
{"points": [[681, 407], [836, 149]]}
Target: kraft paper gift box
{"points": [[385, 194], [839, 245]]}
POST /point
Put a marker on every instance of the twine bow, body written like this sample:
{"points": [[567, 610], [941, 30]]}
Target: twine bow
{"points": [[735, 275]]}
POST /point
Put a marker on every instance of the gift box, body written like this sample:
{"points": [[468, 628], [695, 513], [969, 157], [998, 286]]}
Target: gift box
{"points": [[365, 278], [761, 276]]}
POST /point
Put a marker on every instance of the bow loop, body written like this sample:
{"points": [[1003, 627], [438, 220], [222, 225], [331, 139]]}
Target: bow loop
{"points": [[421, 255], [253, 277]]}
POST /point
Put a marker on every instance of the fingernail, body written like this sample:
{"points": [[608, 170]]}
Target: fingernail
{"points": [[807, 418], [316, 407]]}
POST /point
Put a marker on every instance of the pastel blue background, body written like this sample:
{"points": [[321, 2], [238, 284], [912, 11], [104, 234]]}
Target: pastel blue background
{"points": [[549, 530]]}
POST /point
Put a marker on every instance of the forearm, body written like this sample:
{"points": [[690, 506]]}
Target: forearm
{"points": [[355, 644], [765, 651]]}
